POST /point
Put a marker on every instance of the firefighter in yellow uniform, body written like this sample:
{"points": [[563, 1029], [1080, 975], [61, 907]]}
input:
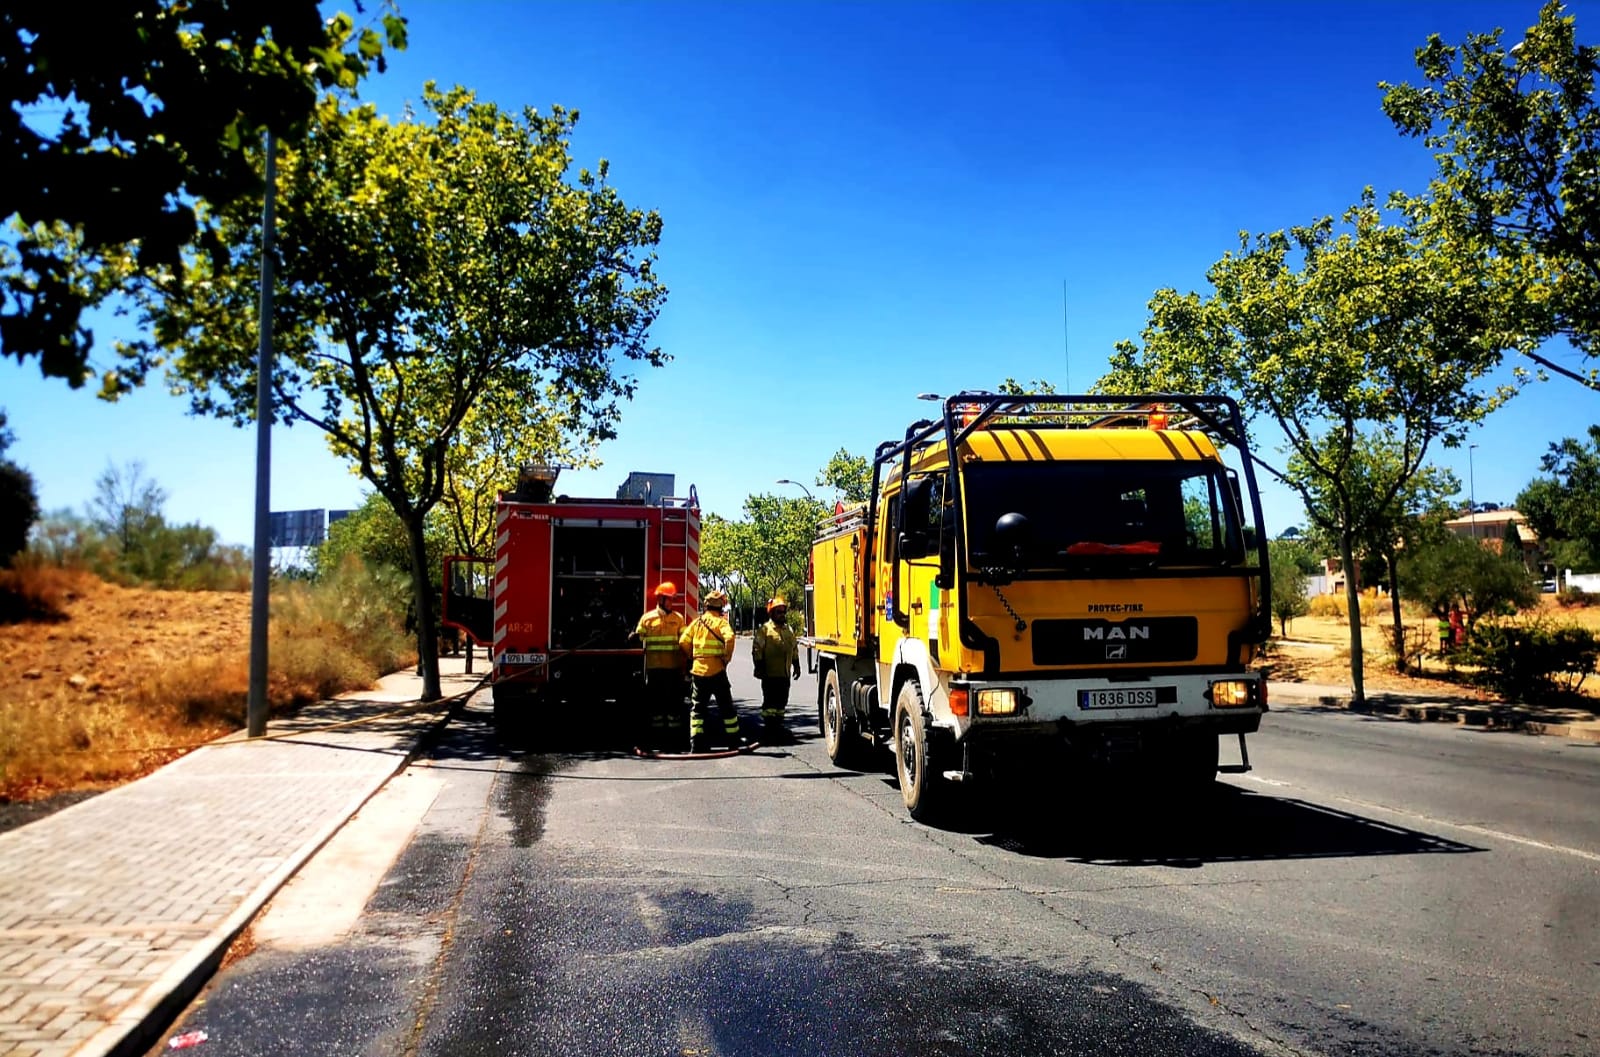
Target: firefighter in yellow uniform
{"points": [[708, 643], [777, 659], [658, 632]]}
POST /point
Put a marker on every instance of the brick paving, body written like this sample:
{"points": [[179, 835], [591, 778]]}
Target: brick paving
{"points": [[114, 909]]}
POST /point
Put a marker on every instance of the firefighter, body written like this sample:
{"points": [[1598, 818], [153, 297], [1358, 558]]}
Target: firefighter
{"points": [[708, 643], [658, 632], [777, 659]]}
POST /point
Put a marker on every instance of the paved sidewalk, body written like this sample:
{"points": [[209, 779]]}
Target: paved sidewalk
{"points": [[114, 910], [1463, 709]]}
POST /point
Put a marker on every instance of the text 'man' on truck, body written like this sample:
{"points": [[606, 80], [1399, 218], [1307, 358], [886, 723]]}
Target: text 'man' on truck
{"points": [[1079, 590]]}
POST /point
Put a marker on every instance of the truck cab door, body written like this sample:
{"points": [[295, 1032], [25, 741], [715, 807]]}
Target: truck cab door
{"points": [[468, 597]]}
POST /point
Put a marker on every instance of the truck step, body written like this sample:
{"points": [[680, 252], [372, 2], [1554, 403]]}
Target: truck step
{"points": [[955, 776], [1234, 768]]}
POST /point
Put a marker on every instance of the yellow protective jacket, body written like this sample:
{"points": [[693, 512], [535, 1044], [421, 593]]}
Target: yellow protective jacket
{"points": [[708, 643], [658, 632], [775, 651]]}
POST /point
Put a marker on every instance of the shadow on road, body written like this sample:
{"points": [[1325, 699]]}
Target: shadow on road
{"points": [[1231, 826]]}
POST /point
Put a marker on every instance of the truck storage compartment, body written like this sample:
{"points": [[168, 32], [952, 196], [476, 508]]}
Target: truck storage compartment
{"points": [[598, 585]]}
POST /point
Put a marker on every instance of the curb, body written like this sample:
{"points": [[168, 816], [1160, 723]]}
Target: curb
{"points": [[140, 1025], [1489, 715]]}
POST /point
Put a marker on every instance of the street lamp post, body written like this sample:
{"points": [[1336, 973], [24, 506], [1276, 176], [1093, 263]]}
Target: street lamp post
{"points": [[797, 484], [1472, 493]]}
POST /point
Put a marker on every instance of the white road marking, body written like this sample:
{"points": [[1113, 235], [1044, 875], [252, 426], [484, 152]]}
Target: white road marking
{"points": [[1465, 827]]}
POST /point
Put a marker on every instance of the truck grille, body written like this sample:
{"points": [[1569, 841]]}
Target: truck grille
{"points": [[1104, 642]]}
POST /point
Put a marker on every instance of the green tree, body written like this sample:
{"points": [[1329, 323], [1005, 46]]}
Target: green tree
{"points": [[127, 506], [1516, 136], [121, 124], [1414, 512], [425, 268], [1563, 507], [1289, 560], [1451, 571], [19, 503], [1337, 333], [848, 475]]}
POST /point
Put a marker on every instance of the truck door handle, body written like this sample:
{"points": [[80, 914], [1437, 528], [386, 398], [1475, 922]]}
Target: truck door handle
{"points": [[916, 605]]}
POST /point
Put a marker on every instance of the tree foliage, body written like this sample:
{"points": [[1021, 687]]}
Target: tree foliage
{"points": [[425, 268], [19, 503], [1338, 333], [1516, 136], [122, 121], [126, 504], [848, 475], [1289, 560], [1563, 507]]}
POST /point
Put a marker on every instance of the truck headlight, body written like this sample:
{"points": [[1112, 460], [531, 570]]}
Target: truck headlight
{"points": [[998, 702], [1230, 693]]}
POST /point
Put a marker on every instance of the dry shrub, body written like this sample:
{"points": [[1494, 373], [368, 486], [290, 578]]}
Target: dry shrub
{"points": [[309, 668], [37, 593], [1334, 606]]}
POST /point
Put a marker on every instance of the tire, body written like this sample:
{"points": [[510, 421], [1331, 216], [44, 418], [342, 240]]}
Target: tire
{"points": [[922, 788], [1191, 764], [841, 733]]}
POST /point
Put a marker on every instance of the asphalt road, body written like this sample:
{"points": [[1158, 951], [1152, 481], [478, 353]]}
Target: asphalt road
{"points": [[1372, 888]]}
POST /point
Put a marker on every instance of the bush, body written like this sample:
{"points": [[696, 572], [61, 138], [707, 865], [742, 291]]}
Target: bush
{"points": [[1531, 662], [31, 592], [1574, 598]]}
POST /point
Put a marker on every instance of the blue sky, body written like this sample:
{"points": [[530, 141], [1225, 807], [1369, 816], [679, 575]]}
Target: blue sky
{"points": [[867, 201]]}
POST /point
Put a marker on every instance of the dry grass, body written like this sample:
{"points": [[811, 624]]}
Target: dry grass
{"points": [[128, 679]]}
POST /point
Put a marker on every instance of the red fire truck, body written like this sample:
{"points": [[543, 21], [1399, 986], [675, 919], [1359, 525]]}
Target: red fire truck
{"points": [[570, 579]]}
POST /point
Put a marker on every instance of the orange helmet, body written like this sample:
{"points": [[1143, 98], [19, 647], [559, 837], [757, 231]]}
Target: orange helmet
{"points": [[667, 588]]}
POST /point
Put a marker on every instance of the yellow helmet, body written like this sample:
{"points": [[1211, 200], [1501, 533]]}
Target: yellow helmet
{"points": [[777, 603], [716, 599]]}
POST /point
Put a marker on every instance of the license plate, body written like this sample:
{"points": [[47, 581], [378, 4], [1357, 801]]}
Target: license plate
{"points": [[1137, 697], [523, 658]]}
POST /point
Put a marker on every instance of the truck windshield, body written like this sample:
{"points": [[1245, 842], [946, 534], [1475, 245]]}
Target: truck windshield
{"points": [[1066, 515]]}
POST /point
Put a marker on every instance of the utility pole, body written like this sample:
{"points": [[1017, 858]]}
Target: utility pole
{"points": [[261, 567], [1472, 494]]}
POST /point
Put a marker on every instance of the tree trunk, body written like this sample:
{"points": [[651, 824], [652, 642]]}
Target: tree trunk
{"points": [[427, 620], [1399, 623], [1352, 598]]}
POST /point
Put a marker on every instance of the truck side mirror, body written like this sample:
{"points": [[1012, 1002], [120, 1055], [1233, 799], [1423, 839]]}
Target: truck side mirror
{"points": [[915, 544], [915, 502]]}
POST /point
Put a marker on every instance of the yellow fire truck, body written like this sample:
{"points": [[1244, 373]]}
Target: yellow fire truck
{"points": [[1082, 582]]}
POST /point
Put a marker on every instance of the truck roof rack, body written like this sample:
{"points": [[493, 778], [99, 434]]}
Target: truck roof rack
{"points": [[972, 410]]}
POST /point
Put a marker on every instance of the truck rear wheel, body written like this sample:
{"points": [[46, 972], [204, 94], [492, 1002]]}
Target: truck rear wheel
{"points": [[923, 788], [841, 735]]}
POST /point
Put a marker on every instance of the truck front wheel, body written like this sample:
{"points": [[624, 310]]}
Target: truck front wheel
{"points": [[921, 786], [1191, 765]]}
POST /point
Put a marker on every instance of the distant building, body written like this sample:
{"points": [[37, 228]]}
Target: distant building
{"points": [[1488, 527]]}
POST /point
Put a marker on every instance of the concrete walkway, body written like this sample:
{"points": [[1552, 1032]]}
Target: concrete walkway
{"points": [[1461, 708], [115, 910]]}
